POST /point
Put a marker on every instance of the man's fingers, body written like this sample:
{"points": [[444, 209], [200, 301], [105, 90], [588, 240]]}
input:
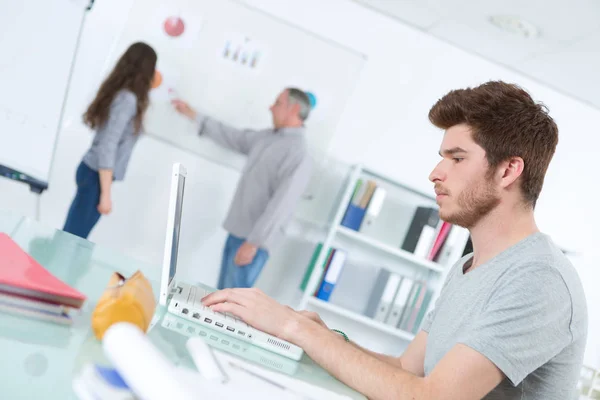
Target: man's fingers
{"points": [[226, 296], [232, 308], [219, 296]]}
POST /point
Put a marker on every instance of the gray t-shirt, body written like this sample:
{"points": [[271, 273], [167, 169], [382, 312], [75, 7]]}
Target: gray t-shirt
{"points": [[524, 310]]}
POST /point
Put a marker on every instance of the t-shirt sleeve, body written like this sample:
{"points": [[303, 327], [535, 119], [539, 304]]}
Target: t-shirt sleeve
{"points": [[525, 323]]}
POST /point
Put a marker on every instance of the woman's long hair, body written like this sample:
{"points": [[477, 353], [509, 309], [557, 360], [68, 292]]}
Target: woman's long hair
{"points": [[134, 71]]}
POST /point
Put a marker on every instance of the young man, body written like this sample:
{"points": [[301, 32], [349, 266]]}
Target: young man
{"points": [[277, 171], [511, 319]]}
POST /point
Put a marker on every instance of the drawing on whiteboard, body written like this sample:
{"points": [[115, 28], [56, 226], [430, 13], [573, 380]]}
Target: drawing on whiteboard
{"points": [[169, 24], [243, 51], [174, 26]]}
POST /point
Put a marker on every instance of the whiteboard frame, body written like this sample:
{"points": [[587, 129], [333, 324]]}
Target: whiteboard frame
{"points": [[37, 185]]}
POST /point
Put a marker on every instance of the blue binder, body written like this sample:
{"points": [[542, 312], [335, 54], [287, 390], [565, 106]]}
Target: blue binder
{"points": [[353, 217], [332, 274], [325, 291]]}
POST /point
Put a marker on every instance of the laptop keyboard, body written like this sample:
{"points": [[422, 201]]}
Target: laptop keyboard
{"points": [[188, 304]]}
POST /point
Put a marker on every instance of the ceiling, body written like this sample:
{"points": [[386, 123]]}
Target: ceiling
{"points": [[565, 53]]}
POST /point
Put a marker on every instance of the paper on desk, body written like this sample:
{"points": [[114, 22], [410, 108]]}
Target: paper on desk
{"points": [[149, 374], [241, 386], [295, 388]]}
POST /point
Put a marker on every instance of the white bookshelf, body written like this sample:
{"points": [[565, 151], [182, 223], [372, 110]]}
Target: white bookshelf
{"points": [[400, 261], [396, 252]]}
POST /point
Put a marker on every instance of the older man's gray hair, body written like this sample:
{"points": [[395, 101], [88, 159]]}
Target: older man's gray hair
{"points": [[297, 96]]}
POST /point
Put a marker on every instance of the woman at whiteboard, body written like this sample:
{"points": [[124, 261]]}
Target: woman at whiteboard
{"points": [[116, 116]]}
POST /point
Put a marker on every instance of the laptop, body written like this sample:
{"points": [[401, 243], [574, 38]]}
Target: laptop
{"points": [[184, 299], [230, 345]]}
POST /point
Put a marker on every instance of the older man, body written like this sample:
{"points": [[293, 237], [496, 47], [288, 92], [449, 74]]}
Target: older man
{"points": [[277, 171]]}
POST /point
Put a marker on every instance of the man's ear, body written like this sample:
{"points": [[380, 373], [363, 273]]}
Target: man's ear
{"points": [[296, 109], [512, 170]]}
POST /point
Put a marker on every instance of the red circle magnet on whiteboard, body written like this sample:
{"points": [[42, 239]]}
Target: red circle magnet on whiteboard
{"points": [[174, 26]]}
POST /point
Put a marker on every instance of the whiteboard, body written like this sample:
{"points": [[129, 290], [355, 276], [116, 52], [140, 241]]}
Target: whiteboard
{"points": [[38, 40], [198, 63]]}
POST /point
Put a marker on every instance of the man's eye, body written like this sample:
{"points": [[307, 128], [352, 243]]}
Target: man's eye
{"points": [[457, 160]]}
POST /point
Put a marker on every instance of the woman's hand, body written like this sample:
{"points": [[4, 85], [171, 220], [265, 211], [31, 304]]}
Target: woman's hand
{"points": [[105, 205]]}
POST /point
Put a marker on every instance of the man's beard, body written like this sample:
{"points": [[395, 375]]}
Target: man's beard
{"points": [[474, 203]]}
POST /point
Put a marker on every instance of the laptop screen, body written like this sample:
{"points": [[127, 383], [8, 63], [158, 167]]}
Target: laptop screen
{"points": [[176, 226]]}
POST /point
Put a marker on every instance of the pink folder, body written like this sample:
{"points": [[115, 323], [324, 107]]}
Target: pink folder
{"points": [[21, 275]]}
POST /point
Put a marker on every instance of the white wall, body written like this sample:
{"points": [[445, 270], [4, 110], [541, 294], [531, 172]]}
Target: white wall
{"points": [[384, 126]]}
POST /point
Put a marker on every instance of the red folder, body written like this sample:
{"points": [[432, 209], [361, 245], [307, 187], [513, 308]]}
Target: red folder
{"points": [[439, 241], [21, 275]]}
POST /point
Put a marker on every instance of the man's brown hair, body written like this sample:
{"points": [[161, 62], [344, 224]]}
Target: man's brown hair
{"points": [[505, 122]]}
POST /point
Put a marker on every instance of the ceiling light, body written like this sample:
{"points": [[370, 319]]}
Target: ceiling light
{"points": [[515, 25]]}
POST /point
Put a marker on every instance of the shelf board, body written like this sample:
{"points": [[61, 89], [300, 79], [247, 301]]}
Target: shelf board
{"points": [[361, 318], [397, 252]]}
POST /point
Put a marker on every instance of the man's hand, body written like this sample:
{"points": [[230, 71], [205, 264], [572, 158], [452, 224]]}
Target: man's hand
{"points": [[184, 108], [245, 254], [257, 310], [313, 316], [105, 205]]}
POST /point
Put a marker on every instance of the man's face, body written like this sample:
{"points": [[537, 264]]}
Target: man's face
{"points": [[465, 190], [280, 110]]}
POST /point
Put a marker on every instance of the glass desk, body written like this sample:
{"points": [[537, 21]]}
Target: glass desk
{"points": [[40, 359]]}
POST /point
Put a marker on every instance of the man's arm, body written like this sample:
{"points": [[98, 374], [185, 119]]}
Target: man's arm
{"points": [[225, 135], [412, 360], [462, 374]]}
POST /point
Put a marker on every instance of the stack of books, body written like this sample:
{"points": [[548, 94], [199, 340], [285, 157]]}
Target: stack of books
{"points": [[28, 289]]}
